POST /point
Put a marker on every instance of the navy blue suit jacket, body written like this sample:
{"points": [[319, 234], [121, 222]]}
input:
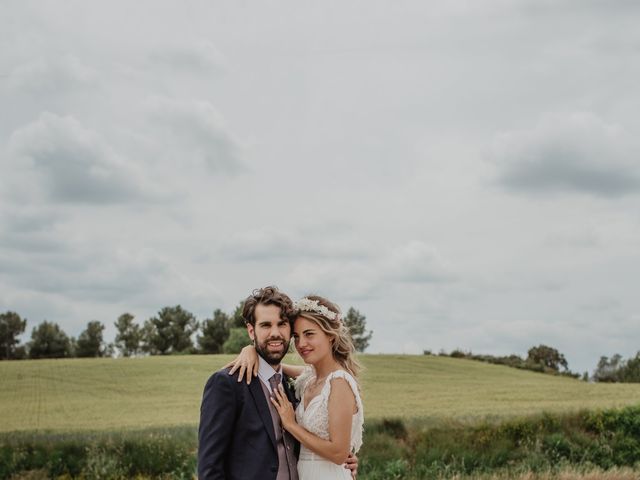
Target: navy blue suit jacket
{"points": [[235, 437]]}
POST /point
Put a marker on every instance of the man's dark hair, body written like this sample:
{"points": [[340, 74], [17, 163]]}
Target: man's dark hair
{"points": [[267, 296]]}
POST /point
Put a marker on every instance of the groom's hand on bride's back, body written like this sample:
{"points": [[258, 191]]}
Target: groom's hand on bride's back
{"points": [[352, 464]]}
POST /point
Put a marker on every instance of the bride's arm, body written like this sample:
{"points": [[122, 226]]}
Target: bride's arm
{"points": [[292, 370], [247, 364], [342, 405]]}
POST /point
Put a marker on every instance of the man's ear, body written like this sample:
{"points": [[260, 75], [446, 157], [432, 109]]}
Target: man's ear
{"points": [[250, 331]]}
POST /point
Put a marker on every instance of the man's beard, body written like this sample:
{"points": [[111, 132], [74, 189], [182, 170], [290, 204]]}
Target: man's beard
{"points": [[272, 358]]}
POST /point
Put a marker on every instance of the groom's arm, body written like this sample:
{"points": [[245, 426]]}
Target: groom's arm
{"points": [[217, 417]]}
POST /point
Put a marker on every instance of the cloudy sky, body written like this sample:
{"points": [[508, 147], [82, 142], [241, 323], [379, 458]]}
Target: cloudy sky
{"points": [[466, 174]]}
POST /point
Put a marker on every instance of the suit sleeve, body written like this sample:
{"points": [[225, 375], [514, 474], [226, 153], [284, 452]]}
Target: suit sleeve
{"points": [[217, 417]]}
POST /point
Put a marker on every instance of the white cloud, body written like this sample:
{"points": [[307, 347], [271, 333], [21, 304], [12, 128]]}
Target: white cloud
{"points": [[417, 262], [265, 243], [571, 238], [52, 75], [28, 219], [412, 263], [335, 279], [578, 152], [292, 242], [194, 132], [68, 162], [196, 57]]}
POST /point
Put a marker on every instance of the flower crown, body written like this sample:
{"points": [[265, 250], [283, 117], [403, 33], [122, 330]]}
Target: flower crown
{"points": [[307, 305]]}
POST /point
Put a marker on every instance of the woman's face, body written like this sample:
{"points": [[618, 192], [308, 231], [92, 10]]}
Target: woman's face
{"points": [[311, 342]]}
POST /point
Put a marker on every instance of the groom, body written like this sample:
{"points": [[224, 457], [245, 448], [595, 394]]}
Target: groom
{"points": [[240, 435]]}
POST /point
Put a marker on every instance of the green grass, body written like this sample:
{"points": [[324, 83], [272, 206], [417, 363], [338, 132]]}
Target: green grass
{"points": [[157, 392]]}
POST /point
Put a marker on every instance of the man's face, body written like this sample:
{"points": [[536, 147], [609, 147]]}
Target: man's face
{"points": [[271, 333]]}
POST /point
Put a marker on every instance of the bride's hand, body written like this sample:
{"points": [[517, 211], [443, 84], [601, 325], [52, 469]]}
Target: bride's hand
{"points": [[284, 407], [246, 362], [352, 465]]}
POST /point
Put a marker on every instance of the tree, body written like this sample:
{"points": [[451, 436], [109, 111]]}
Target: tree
{"points": [[631, 371], [236, 320], [48, 340], [238, 338], [109, 350], [608, 369], [356, 323], [11, 327], [615, 369], [170, 331], [215, 332], [153, 339], [90, 342], [129, 335], [20, 353], [547, 357]]}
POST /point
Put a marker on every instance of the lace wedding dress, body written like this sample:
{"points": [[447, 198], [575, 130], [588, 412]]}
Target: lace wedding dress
{"points": [[315, 418]]}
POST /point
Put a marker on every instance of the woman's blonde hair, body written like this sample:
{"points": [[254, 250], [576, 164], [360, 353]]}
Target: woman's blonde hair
{"points": [[341, 342]]}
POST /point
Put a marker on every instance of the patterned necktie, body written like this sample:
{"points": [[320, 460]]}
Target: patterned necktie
{"points": [[274, 382]]}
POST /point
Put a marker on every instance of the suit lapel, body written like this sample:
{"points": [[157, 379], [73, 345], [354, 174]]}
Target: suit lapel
{"points": [[263, 408]]}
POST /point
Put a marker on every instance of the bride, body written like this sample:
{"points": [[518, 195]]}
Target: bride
{"points": [[329, 418]]}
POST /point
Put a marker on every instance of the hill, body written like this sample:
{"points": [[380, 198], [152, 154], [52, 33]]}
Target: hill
{"points": [[106, 394]]}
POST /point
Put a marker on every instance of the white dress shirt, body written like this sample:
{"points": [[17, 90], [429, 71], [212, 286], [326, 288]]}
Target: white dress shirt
{"points": [[266, 371]]}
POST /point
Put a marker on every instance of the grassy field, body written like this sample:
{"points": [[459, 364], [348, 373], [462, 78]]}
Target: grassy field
{"points": [[113, 394]]}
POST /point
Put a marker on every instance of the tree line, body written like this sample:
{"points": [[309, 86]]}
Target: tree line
{"points": [[546, 359], [170, 331], [617, 369]]}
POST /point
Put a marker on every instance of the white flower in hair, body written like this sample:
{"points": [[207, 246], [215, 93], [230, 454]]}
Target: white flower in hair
{"points": [[307, 305]]}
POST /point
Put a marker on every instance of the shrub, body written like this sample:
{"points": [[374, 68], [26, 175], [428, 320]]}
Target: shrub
{"points": [[392, 449], [394, 427]]}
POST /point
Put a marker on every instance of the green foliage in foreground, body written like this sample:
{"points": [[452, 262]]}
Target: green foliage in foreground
{"points": [[153, 453], [604, 439], [393, 449]]}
